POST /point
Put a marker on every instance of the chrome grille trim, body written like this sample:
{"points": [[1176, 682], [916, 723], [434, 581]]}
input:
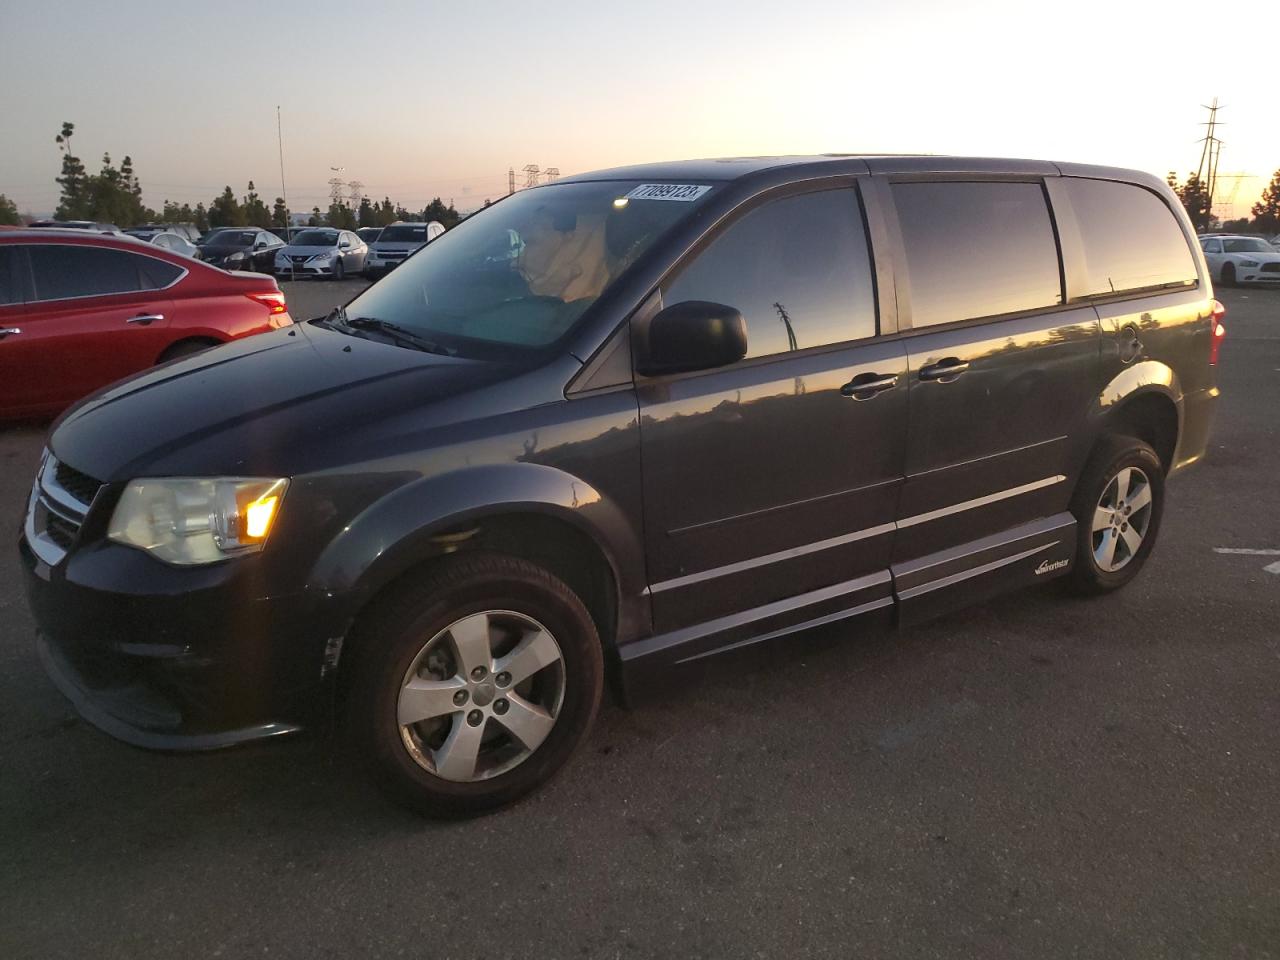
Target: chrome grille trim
{"points": [[51, 499]]}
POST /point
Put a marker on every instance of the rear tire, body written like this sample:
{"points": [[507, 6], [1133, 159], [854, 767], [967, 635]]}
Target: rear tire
{"points": [[1229, 275], [1118, 504], [440, 648]]}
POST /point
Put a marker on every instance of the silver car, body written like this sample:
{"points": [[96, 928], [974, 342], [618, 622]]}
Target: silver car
{"points": [[322, 252], [396, 242]]}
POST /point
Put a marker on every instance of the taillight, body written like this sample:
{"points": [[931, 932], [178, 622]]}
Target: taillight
{"points": [[1218, 332], [273, 301]]}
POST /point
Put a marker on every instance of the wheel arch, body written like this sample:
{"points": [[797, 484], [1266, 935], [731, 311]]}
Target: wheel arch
{"points": [[1144, 401], [531, 511]]}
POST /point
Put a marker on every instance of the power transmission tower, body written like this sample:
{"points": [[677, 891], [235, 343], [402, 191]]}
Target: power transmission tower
{"points": [[357, 192], [336, 187], [531, 172], [511, 180], [550, 174], [1226, 207], [1207, 174]]}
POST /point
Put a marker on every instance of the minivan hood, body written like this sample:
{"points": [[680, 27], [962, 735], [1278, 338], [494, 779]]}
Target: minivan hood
{"points": [[276, 404]]}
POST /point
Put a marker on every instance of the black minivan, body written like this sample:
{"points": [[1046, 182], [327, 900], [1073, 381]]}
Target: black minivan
{"points": [[618, 424]]}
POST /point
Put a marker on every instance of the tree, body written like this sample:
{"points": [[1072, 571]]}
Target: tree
{"points": [[341, 216], [1266, 212], [386, 212], [368, 213], [315, 220], [436, 210], [279, 213], [73, 204], [8, 212], [256, 213], [225, 211], [201, 218], [1195, 199]]}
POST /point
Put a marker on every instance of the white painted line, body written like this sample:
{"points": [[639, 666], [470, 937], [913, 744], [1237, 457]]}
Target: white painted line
{"points": [[1247, 551], [1273, 567]]}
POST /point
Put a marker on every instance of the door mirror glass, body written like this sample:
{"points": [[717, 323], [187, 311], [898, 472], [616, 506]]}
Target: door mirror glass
{"points": [[693, 335], [344, 243]]}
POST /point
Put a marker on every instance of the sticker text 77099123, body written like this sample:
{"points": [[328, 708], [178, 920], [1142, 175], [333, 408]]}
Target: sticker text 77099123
{"points": [[685, 192]]}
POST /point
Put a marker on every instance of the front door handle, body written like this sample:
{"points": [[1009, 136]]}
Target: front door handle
{"points": [[146, 318], [945, 370], [866, 385], [9, 332]]}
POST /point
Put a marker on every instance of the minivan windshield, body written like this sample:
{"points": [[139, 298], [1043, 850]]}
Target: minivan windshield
{"points": [[518, 275], [404, 233], [1247, 245], [316, 238]]}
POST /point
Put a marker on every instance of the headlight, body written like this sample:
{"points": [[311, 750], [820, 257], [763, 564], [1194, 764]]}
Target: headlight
{"points": [[323, 256], [235, 257], [197, 520], [1248, 263]]}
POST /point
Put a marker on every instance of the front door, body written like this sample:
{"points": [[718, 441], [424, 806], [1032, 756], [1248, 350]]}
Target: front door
{"points": [[770, 485]]}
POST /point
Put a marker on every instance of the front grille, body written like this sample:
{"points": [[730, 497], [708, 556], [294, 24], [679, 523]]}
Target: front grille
{"points": [[299, 259], [60, 531], [80, 485], [1271, 267], [394, 254], [60, 501]]}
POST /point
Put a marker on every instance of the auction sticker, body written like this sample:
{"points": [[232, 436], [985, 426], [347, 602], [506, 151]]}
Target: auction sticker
{"points": [[668, 191]]}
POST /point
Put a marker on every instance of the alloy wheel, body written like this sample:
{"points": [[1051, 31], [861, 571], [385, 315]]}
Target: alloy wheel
{"points": [[481, 696], [1121, 519]]}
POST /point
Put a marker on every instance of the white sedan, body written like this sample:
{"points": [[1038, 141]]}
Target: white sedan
{"points": [[1235, 260]]}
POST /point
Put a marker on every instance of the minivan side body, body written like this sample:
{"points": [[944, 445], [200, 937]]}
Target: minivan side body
{"points": [[935, 350]]}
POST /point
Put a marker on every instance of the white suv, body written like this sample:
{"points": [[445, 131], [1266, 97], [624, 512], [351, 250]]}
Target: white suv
{"points": [[396, 242]]}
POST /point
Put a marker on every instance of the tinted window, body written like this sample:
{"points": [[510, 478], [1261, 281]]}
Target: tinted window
{"points": [[1246, 245], [977, 249], [1131, 239], [796, 268], [405, 233], [1211, 246], [8, 275], [62, 272]]}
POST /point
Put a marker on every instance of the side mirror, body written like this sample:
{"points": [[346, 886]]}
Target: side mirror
{"points": [[344, 244], [693, 335]]}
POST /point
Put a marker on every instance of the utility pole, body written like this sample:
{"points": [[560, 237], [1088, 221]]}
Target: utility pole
{"points": [[511, 180], [284, 195], [1207, 174]]}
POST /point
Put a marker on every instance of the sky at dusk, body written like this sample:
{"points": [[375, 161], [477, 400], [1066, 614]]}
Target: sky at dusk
{"points": [[424, 99]]}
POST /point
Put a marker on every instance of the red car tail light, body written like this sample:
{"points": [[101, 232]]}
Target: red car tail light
{"points": [[1217, 332], [272, 300]]}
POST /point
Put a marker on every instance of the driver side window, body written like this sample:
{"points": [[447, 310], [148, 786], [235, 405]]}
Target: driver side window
{"points": [[797, 269]]}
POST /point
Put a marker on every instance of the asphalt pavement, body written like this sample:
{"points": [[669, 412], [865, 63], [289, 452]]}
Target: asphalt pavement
{"points": [[1037, 777]]}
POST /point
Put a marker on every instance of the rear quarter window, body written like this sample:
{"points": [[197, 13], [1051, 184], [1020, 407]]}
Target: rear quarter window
{"points": [[1132, 240], [977, 249]]}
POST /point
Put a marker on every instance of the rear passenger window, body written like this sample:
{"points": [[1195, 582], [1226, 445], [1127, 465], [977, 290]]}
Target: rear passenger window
{"points": [[977, 249], [1132, 241], [66, 272], [8, 276], [797, 269]]}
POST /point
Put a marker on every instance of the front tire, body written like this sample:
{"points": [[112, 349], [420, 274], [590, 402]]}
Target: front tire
{"points": [[339, 270], [474, 685], [1229, 275], [1118, 504]]}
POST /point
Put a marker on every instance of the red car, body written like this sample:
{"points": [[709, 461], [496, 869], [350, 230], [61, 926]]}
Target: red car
{"points": [[79, 311]]}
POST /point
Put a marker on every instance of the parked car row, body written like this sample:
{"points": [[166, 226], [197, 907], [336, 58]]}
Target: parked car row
{"points": [[79, 310]]}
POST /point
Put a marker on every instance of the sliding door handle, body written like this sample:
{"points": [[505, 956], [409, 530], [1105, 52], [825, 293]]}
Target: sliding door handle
{"points": [[867, 385], [944, 371]]}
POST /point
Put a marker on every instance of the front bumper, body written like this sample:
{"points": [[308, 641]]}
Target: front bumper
{"points": [[311, 268], [175, 659], [1257, 275]]}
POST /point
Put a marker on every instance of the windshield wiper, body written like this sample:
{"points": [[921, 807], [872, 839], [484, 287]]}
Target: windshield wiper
{"points": [[393, 330]]}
